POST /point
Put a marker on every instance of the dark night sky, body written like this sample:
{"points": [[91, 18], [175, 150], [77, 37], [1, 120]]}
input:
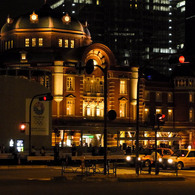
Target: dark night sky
{"points": [[14, 8]]}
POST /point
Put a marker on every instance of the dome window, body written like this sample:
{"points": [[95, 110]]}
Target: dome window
{"points": [[9, 20], [66, 19], [34, 18]]}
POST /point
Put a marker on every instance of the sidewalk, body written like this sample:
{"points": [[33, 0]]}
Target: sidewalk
{"points": [[54, 173]]}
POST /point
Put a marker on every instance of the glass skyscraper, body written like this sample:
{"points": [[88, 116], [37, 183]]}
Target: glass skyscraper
{"points": [[139, 32]]}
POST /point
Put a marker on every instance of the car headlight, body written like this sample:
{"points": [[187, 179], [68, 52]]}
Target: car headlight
{"points": [[139, 159], [128, 158], [160, 160], [170, 161]]}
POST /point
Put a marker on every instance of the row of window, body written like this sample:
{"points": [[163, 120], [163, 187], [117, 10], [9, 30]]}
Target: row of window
{"points": [[169, 96], [94, 109], [9, 44], [159, 96], [66, 43], [93, 85], [33, 42], [169, 116]]}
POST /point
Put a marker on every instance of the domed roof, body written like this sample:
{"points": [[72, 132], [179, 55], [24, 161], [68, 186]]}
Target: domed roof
{"points": [[47, 18]]}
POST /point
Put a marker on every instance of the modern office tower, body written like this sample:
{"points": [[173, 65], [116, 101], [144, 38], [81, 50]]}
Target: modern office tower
{"points": [[190, 30], [139, 32]]}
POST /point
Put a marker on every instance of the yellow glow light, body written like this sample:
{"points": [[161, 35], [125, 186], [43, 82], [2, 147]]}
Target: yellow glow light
{"points": [[34, 17], [66, 19]]}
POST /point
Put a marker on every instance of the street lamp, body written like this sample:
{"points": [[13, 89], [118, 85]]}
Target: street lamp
{"points": [[89, 70], [43, 97]]}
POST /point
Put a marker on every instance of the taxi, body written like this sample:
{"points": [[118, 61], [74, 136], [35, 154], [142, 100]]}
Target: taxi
{"points": [[181, 159], [162, 153]]}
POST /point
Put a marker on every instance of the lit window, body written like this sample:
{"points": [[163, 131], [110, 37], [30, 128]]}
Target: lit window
{"points": [[97, 2], [123, 109], [123, 86], [66, 43], [70, 107], [146, 114], [72, 44], [97, 111], [60, 42], [158, 111], [170, 115], [191, 99], [12, 44], [158, 97], [23, 57], [40, 42], [191, 115], [170, 97], [70, 84], [33, 42], [27, 42], [6, 45], [147, 95], [88, 110]]}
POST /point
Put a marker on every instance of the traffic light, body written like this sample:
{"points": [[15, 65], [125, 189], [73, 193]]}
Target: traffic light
{"points": [[22, 127], [182, 59], [47, 97], [89, 66], [160, 119]]}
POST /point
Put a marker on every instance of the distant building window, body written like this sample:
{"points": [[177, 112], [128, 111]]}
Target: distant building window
{"points": [[158, 97], [34, 42], [6, 45], [27, 41], [170, 115], [23, 58], [170, 97], [191, 115], [70, 107], [191, 97], [72, 44], [147, 95], [146, 114], [40, 42], [12, 44], [158, 111], [66, 43], [123, 87], [60, 42], [123, 108], [70, 84]]}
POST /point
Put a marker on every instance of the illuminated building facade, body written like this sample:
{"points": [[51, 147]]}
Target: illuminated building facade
{"points": [[57, 47]]}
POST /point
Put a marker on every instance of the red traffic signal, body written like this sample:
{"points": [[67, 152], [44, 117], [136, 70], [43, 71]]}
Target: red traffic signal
{"points": [[160, 119], [181, 59], [47, 97], [22, 127]]}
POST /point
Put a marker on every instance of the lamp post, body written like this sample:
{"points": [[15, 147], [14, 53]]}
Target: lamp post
{"points": [[30, 106], [89, 70], [137, 126]]}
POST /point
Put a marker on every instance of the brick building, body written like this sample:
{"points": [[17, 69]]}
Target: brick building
{"points": [[57, 47]]}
